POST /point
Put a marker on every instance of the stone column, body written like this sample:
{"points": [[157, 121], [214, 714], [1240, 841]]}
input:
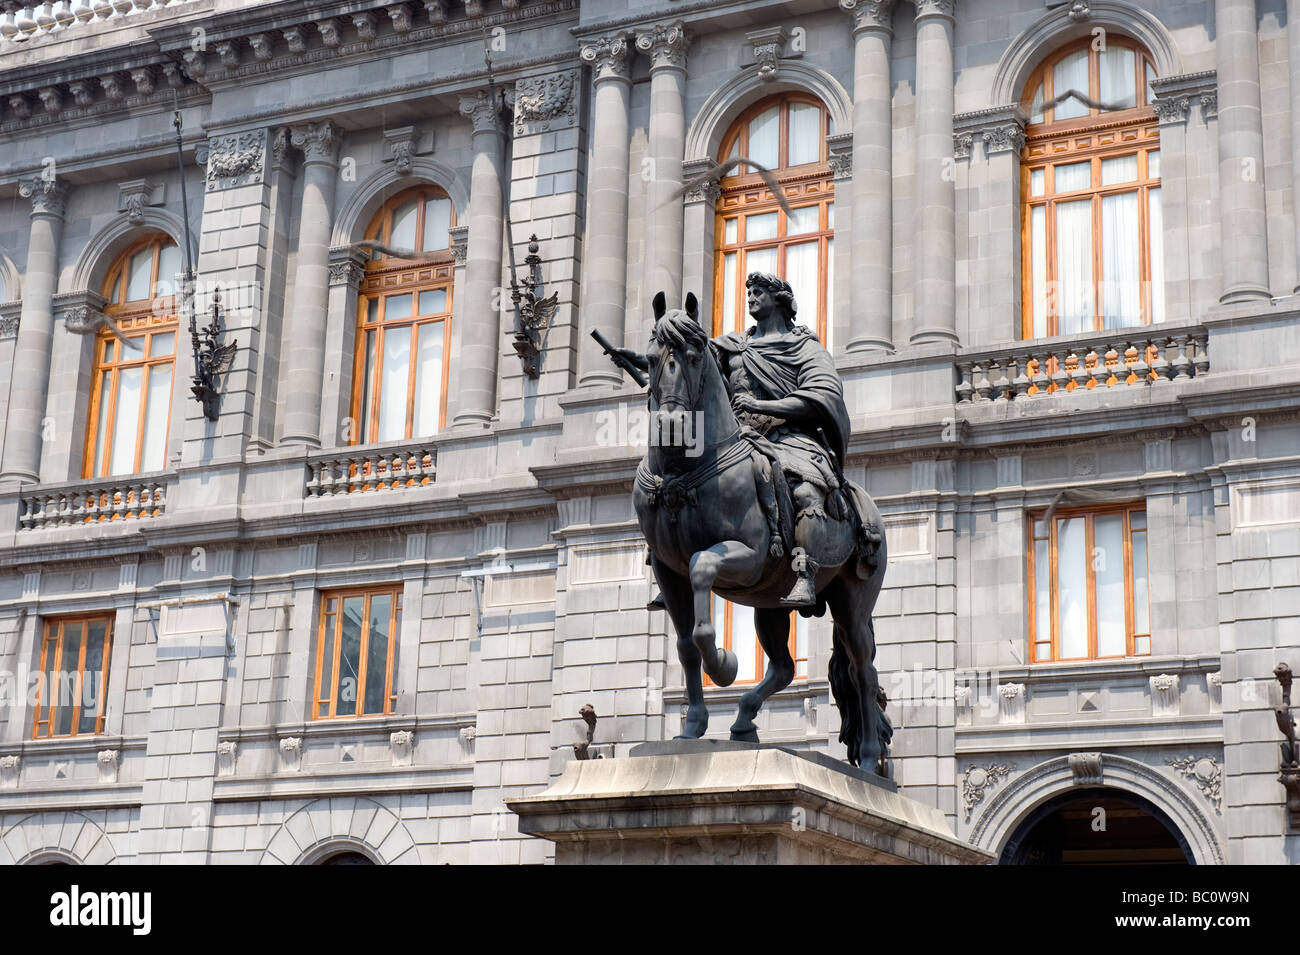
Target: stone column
{"points": [[1241, 153], [305, 325], [475, 378], [935, 186], [604, 285], [666, 46], [27, 392], [871, 292], [1293, 62]]}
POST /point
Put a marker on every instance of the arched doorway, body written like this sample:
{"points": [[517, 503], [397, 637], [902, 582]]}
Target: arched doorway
{"points": [[1097, 827], [346, 858]]}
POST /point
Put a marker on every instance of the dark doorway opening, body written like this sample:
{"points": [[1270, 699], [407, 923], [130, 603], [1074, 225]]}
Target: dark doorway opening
{"points": [[1097, 827]]}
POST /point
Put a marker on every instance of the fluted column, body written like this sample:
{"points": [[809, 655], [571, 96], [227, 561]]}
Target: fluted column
{"points": [[934, 187], [871, 283], [31, 375], [1242, 216], [604, 281], [306, 324], [666, 46], [475, 371]]}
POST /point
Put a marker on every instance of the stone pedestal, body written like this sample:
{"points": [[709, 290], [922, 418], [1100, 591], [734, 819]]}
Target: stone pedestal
{"points": [[701, 802]]}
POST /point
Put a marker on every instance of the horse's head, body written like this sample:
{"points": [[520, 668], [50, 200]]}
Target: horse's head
{"points": [[678, 355]]}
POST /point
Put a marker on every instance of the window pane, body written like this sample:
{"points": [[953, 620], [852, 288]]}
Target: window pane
{"points": [[392, 389], [381, 606], [1073, 176], [327, 665], [829, 319], [764, 139], [1151, 93], [162, 343], [153, 456], [1121, 260], [1036, 106], [428, 381], [801, 273], [1153, 164], [372, 310], [138, 274], [805, 134], [1074, 266], [127, 422], [803, 220], [760, 260], [732, 320], [437, 220], [1118, 77], [729, 231], [1038, 267], [101, 430], [1071, 73], [1141, 595], [397, 307], [169, 267], [433, 301], [744, 641], [830, 216], [68, 689], [49, 686], [1142, 646], [1037, 181], [92, 703], [403, 234], [1042, 600], [1072, 587], [1108, 567], [1156, 251], [1117, 169], [347, 687], [367, 389], [800, 645], [758, 228]]}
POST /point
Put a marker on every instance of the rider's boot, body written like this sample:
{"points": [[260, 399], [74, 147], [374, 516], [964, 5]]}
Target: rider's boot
{"points": [[804, 591]]}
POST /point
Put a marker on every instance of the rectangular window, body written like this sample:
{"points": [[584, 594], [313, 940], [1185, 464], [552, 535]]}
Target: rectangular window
{"points": [[1088, 596], [73, 676], [356, 649], [734, 625]]}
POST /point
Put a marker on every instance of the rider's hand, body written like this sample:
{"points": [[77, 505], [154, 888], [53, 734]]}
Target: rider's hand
{"points": [[742, 402], [635, 357]]}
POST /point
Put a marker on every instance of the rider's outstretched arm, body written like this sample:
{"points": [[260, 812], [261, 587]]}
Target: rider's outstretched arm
{"points": [[635, 357]]}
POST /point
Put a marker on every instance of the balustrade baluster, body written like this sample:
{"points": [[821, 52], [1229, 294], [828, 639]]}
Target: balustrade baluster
{"points": [[964, 387]]}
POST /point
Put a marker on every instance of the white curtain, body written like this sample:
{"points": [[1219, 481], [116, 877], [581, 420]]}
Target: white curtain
{"points": [[1072, 588], [126, 425], [428, 380], [765, 139], [805, 143], [1108, 566], [1071, 73], [1156, 247], [392, 389], [801, 273], [1038, 267], [154, 454], [1121, 260], [1074, 266]]}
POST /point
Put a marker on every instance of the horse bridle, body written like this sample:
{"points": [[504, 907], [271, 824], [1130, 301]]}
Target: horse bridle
{"points": [[692, 393]]}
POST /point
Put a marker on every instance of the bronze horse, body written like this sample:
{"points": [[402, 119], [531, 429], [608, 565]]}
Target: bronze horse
{"points": [[708, 512]]}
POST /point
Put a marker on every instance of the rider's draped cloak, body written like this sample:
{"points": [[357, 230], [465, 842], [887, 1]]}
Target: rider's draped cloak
{"points": [[779, 366]]}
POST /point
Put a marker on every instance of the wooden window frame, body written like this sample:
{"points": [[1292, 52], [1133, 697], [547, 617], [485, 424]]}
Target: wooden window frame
{"points": [[1090, 514], [53, 631], [728, 643], [1090, 138], [388, 275], [747, 194], [330, 701], [139, 320]]}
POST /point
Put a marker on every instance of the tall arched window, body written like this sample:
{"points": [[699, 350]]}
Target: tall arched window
{"points": [[786, 134], [1092, 249], [130, 403], [404, 321]]}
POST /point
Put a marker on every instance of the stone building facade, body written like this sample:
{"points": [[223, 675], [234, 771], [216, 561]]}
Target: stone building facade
{"points": [[1092, 503]]}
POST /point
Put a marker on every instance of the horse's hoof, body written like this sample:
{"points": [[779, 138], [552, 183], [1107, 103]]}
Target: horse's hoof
{"points": [[727, 667], [744, 736]]}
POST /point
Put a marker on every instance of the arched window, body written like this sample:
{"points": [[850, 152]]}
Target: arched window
{"points": [[786, 134], [1091, 224], [130, 403], [404, 321]]}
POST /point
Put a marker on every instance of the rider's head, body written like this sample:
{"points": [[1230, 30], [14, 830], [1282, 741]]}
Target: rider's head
{"points": [[780, 290]]}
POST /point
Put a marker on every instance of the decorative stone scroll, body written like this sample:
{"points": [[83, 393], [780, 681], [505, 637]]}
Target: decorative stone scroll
{"points": [[227, 749], [1086, 768], [236, 160], [546, 103], [1203, 772], [401, 743], [1011, 703], [980, 780], [291, 753], [108, 761], [1164, 695]]}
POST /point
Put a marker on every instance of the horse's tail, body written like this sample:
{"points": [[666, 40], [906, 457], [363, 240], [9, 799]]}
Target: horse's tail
{"points": [[844, 688]]}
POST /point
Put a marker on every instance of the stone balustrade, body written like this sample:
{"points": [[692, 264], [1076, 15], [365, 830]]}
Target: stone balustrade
{"points": [[43, 19], [370, 468], [1118, 358], [94, 501]]}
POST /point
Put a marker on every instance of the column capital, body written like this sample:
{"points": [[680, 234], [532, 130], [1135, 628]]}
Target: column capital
{"points": [[935, 8], [49, 196], [608, 57], [347, 265], [319, 142], [870, 14], [665, 44], [482, 109]]}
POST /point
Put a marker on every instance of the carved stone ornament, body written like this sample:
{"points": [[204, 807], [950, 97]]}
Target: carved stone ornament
{"points": [[545, 103], [319, 142], [962, 143], [135, 196], [1008, 137], [1011, 702], [1164, 695], [227, 749], [347, 265], [1171, 109], [980, 780], [9, 771], [840, 156], [608, 57], [401, 145], [291, 753], [1085, 768], [108, 760], [665, 44], [49, 196], [869, 14], [1205, 773], [9, 325], [402, 744], [236, 160], [935, 8], [1079, 11], [458, 237], [769, 46], [483, 110]]}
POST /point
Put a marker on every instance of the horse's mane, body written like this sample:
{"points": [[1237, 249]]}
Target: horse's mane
{"points": [[677, 330]]}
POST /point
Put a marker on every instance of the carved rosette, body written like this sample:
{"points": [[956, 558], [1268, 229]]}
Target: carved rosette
{"points": [[608, 57], [236, 160], [869, 14], [980, 780], [319, 142], [935, 8], [49, 196], [666, 46], [545, 103], [483, 110]]}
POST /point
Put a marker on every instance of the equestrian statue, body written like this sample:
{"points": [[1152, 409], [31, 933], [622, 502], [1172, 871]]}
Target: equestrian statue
{"points": [[757, 509]]}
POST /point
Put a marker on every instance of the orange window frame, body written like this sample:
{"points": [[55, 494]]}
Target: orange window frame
{"points": [[53, 645], [139, 321], [728, 637], [325, 702], [387, 277], [1091, 138], [745, 194], [1137, 644]]}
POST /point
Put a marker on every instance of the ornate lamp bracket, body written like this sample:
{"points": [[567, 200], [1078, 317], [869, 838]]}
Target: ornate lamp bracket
{"points": [[1289, 775], [211, 358], [533, 314]]}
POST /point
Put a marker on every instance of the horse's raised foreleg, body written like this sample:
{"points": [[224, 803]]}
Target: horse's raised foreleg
{"points": [[679, 602], [773, 626], [740, 564]]}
